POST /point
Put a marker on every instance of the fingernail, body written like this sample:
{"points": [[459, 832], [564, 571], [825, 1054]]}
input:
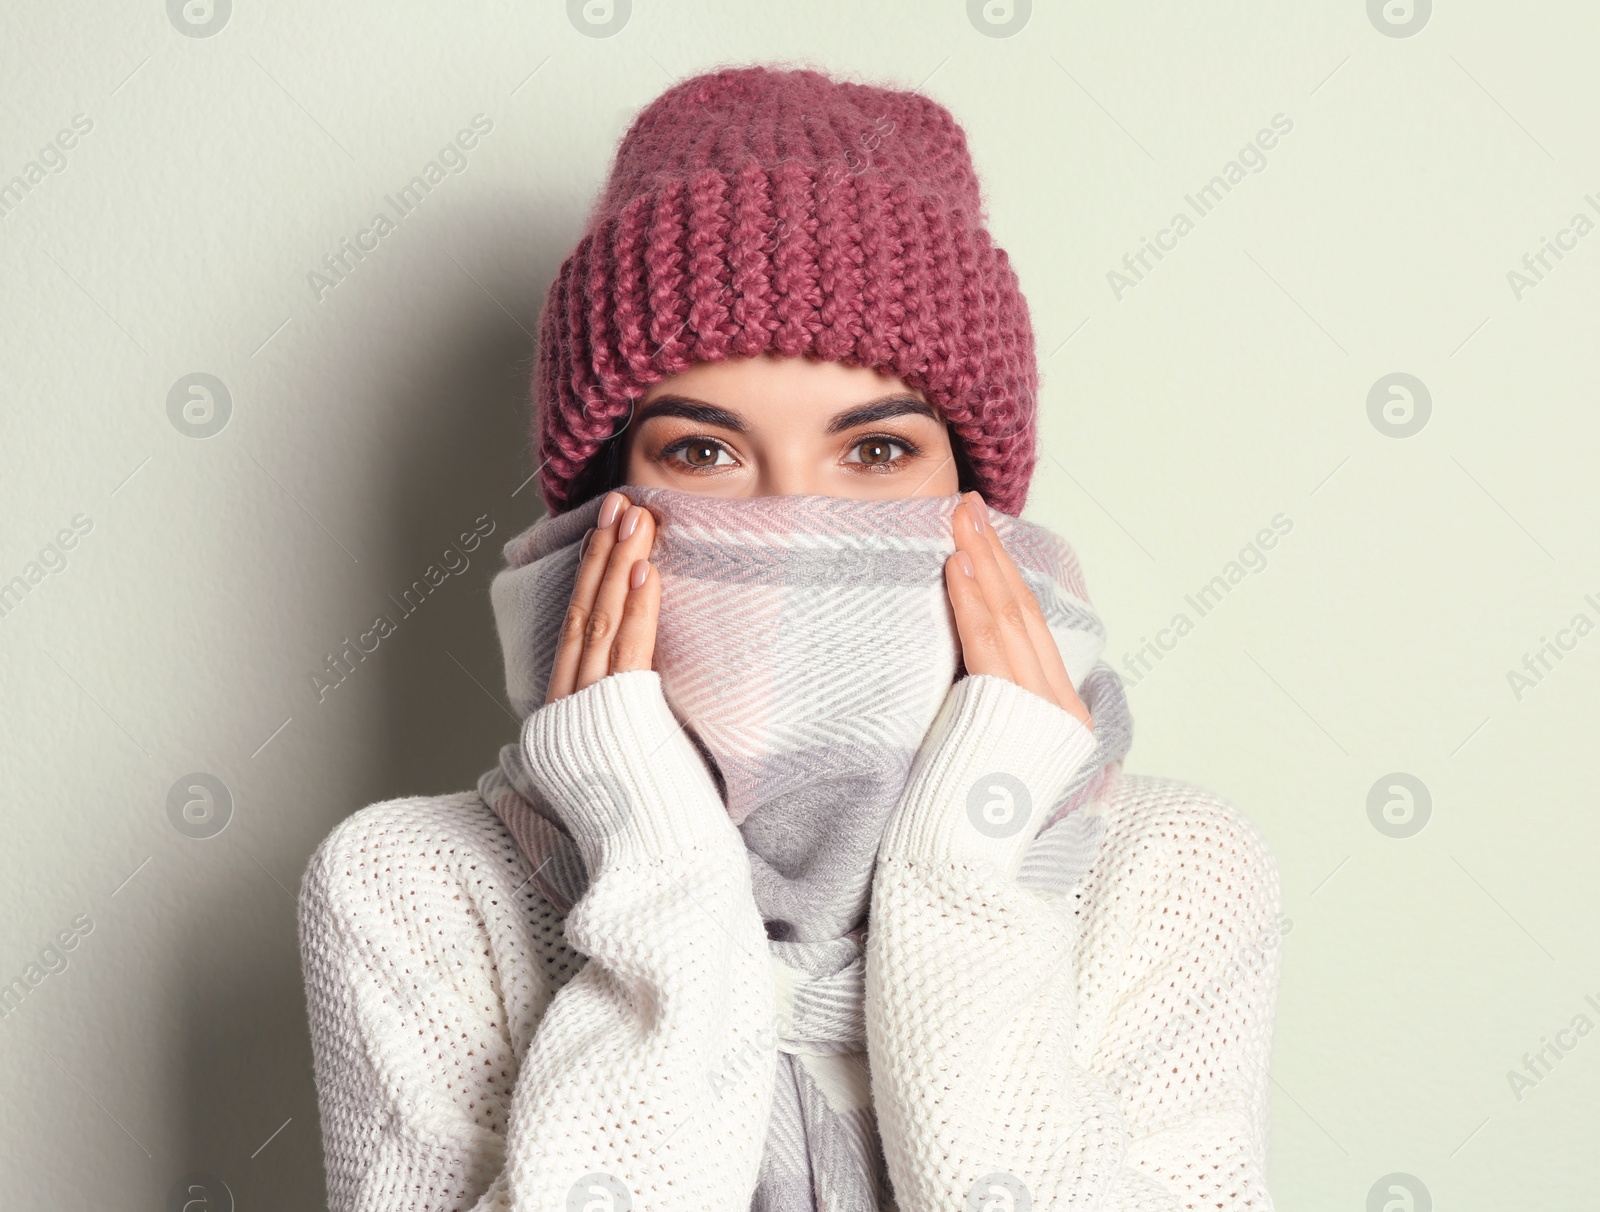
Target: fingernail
{"points": [[964, 561], [977, 510], [610, 510], [641, 569], [630, 521], [583, 547]]}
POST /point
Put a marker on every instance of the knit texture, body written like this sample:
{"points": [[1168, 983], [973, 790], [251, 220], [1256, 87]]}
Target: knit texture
{"points": [[1111, 1045], [753, 211], [806, 644]]}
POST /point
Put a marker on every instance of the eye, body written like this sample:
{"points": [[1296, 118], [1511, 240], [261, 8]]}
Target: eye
{"points": [[879, 450], [696, 452]]}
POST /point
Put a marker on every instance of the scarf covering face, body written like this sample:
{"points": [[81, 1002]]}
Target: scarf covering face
{"points": [[807, 643]]}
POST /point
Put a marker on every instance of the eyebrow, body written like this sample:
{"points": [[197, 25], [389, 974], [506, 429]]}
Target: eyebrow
{"points": [[727, 418]]}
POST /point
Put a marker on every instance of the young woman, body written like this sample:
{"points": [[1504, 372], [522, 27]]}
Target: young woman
{"points": [[812, 881]]}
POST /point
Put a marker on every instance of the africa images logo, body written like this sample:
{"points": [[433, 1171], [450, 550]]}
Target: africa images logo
{"points": [[999, 1192], [599, 1192], [999, 805]]}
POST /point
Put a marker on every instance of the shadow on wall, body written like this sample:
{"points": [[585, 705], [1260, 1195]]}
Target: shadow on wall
{"points": [[433, 698], [444, 702]]}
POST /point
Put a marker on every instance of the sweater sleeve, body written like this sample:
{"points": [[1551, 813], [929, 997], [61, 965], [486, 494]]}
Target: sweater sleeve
{"points": [[616, 1092], [1177, 969], [980, 1082], [476, 1051], [428, 964]]}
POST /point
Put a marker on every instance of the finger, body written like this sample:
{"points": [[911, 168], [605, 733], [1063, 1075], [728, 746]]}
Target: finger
{"points": [[586, 583], [606, 614], [1003, 606], [981, 648], [1044, 641], [569, 645], [636, 635]]}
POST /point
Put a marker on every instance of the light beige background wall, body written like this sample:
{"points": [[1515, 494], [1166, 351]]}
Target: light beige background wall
{"points": [[371, 426]]}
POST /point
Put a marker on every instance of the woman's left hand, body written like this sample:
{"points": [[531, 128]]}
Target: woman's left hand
{"points": [[1001, 627]]}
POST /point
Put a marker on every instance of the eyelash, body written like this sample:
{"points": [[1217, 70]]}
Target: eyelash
{"points": [[912, 451]]}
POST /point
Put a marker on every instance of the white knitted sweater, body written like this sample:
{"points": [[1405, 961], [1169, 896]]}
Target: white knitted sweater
{"points": [[475, 1050]]}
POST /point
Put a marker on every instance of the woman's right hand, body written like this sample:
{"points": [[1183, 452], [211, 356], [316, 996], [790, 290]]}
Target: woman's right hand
{"points": [[616, 599]]}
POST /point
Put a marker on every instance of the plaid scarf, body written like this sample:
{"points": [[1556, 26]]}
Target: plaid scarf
{"points": [[807, 642]]}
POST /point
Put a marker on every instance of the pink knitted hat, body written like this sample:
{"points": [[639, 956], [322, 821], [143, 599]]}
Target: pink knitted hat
{"points": [[753, 210]]}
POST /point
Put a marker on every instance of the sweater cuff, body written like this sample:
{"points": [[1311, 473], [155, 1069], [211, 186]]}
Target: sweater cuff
{"points": [[627, 781], [994, 764]]}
